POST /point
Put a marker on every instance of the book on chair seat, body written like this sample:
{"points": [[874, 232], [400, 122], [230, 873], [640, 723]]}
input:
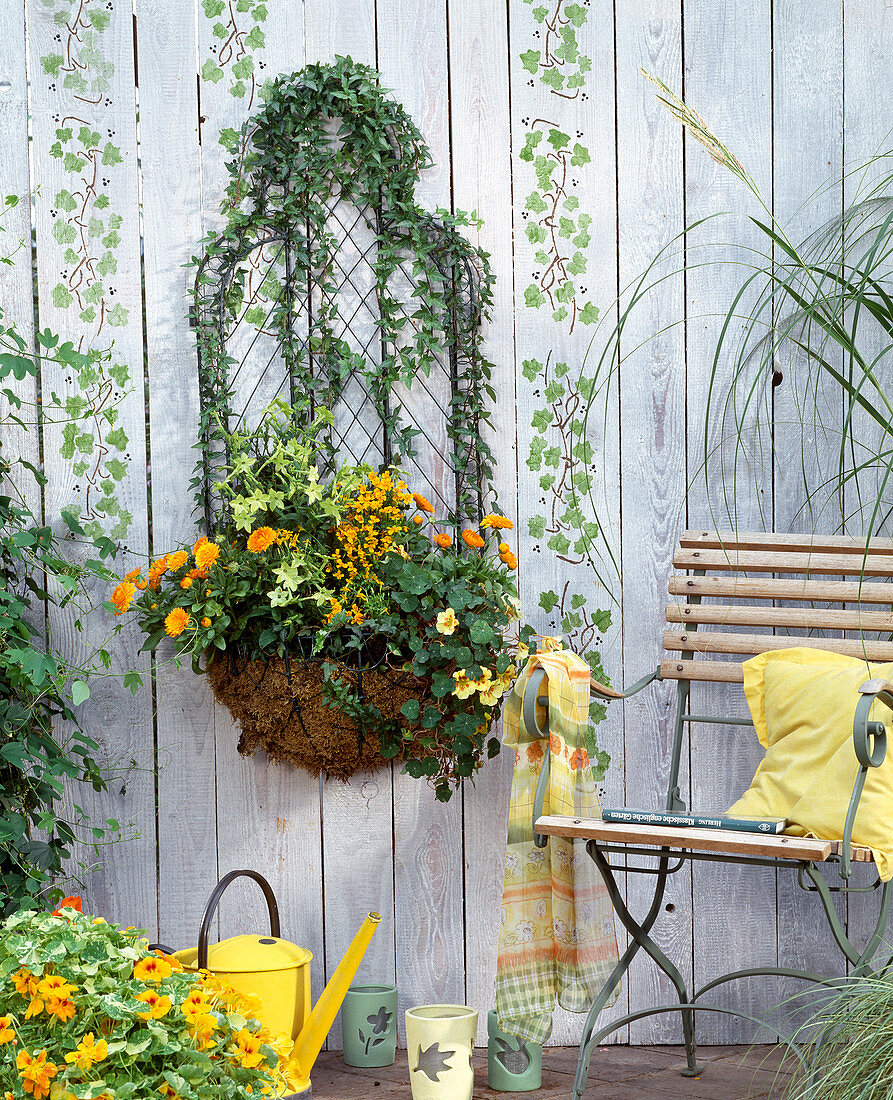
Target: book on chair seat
{"points": [[696, 820]]}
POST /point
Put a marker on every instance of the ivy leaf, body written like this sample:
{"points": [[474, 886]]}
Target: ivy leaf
{"points": [[533, 296], [531, 369], [553, 79], [62, 296], [589, 314], [65, 201], [211, 71], [536, 526], [53, 62], [576, 13], [530, 60], [117, 438], [581, 156], [256, 39], [117, 315], [558, 140], [559, 543], [111, 155], [548, 600], [535, 203], [541, 419]]}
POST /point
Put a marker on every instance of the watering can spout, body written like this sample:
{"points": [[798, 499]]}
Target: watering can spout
{"points": [[313, 1034]]}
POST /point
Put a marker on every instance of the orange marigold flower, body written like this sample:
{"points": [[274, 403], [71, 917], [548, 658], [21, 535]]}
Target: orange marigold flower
{"points": [[421, 503], [157, 570], [186, 582], [36, 1073], [122, 596], [199, 543], [142, 585], [152, 969], [177, 561], [444, 541], [206, 555], [133, 575], [7, 1033], [418, 520], [259, 540], [206, 622], [154, 607], [499, 522], [176, 622], [510, 560], [504, 548], [472, 539]]}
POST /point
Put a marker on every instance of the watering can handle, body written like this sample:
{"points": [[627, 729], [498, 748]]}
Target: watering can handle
{"points": [[214, 899]]}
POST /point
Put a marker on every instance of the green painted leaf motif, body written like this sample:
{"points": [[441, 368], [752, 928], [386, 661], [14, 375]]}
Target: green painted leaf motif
{"points": [[62, 296], [553, 78], [256, 39], [65, 201], [581, 156], [531, 368], [117, 438], [533, 296], [576, 13], [546, 482], [211, 71], [99, 18], [589, 314], [535, 203], [63, 232], [559, 314], [72, 163], [238, 89], [577, 264], [541, 419], [558, 140], [52, 64], [219, 30], [536, 526], [559, 542], [530, 60], [554, 391], [535, 233], [548, 601], [111, 155]]}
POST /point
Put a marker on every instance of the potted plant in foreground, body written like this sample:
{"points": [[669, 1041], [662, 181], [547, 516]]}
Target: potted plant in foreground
{"points": [[337, 621]]}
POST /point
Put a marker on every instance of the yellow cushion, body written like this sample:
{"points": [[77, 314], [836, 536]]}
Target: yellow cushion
{"points": [[802, 702]]}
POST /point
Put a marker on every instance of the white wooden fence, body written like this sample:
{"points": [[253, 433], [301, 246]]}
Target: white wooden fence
{"points": [[796, 87]]}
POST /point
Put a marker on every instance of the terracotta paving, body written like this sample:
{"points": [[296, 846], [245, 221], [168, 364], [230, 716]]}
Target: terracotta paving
{"points": [[617, 1073]]}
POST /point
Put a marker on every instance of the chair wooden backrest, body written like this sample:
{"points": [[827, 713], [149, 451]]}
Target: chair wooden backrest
{"points": [[720, 590]]}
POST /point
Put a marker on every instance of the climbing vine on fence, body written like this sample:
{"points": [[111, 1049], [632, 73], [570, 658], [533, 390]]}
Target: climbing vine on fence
{"points": [[85, 226]]}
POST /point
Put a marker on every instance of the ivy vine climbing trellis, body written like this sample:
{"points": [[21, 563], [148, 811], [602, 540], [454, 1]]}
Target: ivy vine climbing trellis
{"points": [[329, 287]]}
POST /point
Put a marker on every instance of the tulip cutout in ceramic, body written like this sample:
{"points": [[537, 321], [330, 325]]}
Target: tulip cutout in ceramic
{"points": [[369, 1025], [439, 1042], [513, 1065]]}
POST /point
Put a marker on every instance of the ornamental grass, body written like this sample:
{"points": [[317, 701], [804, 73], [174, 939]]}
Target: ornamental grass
{"points": [[87, 1013]]}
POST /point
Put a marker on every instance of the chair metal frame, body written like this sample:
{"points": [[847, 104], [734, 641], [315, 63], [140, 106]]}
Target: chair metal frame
{"points": [[870, 745]]}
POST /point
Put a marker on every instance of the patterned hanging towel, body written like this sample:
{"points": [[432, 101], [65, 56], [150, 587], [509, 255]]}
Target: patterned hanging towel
{"points": [[557, 938]]}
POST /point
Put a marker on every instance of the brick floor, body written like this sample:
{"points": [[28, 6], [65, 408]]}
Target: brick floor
{"points": [[617, 1073]]}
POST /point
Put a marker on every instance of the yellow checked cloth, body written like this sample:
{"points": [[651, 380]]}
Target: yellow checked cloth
{"points": [[557, 938]]}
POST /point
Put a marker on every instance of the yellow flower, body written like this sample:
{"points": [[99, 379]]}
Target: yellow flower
{"points": [[25, 982], [202, 1028], [122, 596], [60, 1007], [177, 561], [176, 622], [444, 541], [422, 504], [504, 548], [510, 560], [88, 1053], [151, 968], [206, 622], [247, 1049], [157, 570], [195, 1005], [35, 1008], [494, 691], [464, 687], [54, 985], [472, 539], [36, 1073], [447, 622], [499, 522], [186, 582], [158, 1005], [418, 520], [259, 540], [7, 1032]]}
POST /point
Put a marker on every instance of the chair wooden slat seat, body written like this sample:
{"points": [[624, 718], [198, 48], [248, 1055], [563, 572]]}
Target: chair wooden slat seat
{"points": [[817, 618], [778, 561], [788, 588], [716, 642], [703, 840], [762, 540]]}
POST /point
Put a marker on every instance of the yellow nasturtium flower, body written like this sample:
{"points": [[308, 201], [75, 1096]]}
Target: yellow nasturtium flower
{"points": [[447, 622], [88, 1053], [464, 687]]}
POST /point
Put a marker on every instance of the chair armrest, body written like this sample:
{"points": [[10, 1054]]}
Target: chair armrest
{"points": [[870, 745]]}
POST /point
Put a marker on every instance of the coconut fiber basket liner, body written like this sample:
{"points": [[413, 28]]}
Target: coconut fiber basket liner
{"points": [[280, 706]]}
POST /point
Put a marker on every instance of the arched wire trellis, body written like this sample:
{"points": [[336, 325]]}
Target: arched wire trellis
{"points": [[330, 288]]}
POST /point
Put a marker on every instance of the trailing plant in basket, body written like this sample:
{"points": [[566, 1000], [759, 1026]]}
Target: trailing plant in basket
{"points": [[86, 1011], [343, 625]]}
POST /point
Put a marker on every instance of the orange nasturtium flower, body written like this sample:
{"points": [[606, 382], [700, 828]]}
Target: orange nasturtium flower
{"points": [[152, 969], [88, 1053], [60, 1007], [7, 1032], [195, 1005], [71, 902], [202, 1029], [36, 1073], [122, 596], [261, 539], [247, 1049], [472, 539], [25, 982], [499, 522], [54, 985], [444, 541], [176, 622], [422, 503], [158, 1005]]}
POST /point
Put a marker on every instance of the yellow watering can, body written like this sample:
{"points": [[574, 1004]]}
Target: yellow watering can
{"points": [[278, 973]]}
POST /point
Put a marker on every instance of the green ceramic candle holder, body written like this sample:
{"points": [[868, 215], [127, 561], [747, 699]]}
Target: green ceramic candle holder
{"points": [[369, 1025], [513, 1065]]}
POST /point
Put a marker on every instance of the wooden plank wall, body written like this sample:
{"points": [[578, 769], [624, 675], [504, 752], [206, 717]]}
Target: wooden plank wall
{"points": [[796, 90]]}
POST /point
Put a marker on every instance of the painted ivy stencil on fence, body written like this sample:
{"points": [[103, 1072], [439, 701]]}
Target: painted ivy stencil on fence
{"points": [[558, 229], [85, 229], [237, 32]]}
